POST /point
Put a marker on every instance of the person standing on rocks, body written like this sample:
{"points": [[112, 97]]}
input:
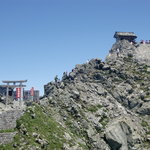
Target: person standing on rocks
{"points": [[142, 42], [118, 52], [56, 78]]}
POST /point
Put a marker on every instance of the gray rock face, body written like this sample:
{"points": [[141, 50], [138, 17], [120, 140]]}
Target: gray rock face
{"points": [[103, 100], [125, 49], [144, 109], [105, 105], [8, 119], [139, 52], [142, 53], [116, 137], [123, 133], [6, 137]]}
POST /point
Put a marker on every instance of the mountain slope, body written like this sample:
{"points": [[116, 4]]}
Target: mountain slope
{"points": [[97, 106]]}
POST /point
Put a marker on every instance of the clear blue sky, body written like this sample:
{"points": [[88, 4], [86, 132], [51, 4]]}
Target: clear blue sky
{"points": [[43, 38]]}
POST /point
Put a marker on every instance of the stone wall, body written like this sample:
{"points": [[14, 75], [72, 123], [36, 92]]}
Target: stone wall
{"points": [[6, 137], [8, 119]]}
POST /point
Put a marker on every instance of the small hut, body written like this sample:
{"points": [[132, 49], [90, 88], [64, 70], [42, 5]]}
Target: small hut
{"points": [[130, 36]]}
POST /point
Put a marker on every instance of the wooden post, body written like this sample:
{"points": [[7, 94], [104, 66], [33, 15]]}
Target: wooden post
{"points": [[7, 90], [21, 94]]}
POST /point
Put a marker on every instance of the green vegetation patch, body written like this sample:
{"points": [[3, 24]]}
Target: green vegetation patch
{"points": [[35, 126], [144, 123], [83, 146], [104, 121], [7, 131], [94, 108]]}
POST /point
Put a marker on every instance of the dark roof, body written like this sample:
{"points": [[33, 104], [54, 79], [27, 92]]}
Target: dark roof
{"points": [[128, 34]]}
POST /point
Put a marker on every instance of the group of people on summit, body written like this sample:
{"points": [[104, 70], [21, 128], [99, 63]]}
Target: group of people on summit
{"points": [[145, 42], [134, 42], [141, 42]]}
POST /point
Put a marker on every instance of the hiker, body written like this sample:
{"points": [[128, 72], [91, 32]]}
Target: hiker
{"points": [[142, 42], [65, 75], [56, 78], [118, 52]]}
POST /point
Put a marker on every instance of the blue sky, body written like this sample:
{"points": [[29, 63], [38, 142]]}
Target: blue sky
{"points": [[43, 38]]}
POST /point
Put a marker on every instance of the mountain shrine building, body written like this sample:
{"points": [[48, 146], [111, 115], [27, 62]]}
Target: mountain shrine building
{"points": [[130, 36]]}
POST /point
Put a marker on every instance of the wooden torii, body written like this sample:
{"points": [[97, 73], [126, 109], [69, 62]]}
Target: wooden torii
{"points": [[20, 85]]}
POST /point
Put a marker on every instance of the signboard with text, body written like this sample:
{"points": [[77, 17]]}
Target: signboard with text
{"points": [[32, 91], [18, 92]]}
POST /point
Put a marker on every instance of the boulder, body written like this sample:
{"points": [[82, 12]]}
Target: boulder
{"points": [[116, 136], [123, 133], [144, 109]]}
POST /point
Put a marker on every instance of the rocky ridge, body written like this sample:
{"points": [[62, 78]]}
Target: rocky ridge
{"points": [[109, 99], [97, 106]]}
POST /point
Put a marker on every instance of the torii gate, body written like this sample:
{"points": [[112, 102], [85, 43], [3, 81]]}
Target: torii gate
{"points": [[20, 85]]}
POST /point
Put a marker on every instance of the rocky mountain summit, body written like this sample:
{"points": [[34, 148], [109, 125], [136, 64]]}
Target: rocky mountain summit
{"points": [[97, 106], [139, 52]]}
